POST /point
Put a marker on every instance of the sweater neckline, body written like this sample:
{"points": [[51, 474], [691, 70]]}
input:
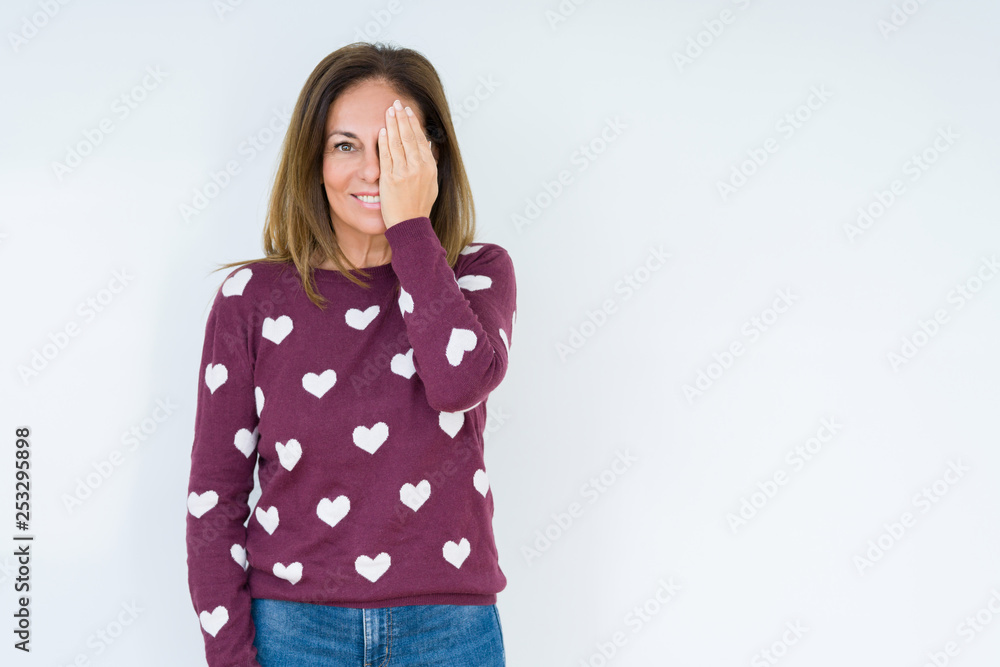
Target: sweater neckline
{"points": [[380, 272]]}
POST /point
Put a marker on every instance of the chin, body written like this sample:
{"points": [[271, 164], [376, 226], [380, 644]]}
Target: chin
{"points": [[366, 224], [370, 225]]}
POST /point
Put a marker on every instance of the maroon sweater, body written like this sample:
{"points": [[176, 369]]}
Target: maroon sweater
{"points": [[367, 421]]}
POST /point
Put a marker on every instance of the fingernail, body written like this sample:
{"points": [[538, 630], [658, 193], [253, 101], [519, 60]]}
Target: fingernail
{"points": [[409, 111]]}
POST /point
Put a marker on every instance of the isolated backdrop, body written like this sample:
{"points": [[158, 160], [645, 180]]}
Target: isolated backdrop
{"points": [[751, 412]]}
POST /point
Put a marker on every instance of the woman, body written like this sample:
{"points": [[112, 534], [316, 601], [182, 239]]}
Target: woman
{"points": [[354, 362]]}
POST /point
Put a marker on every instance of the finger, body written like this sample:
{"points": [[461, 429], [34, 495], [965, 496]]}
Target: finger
{"points": [[406, 135], [384, 159], [396, 149], [423, 146]]}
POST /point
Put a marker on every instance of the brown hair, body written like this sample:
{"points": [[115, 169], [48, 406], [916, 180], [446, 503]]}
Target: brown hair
{"points": [[298, 226]]}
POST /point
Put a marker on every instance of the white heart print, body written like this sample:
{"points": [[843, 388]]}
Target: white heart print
{"points": [[414, 496], [258, 395], [289, 453], [370, 439], [372, 568], [239, 555], [199, 504], [332, 511], [317, 385], [357, 319], [291, 572], [405, 302], [268, 519], [215, 376], [451, 422], [481, 482], [236, 282], [276, 330], [213, 622], [460, 342], [475, 283], [402, 364], [246, 441], [456, 553]]}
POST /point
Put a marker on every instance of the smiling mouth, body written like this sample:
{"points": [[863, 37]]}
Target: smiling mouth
{"points": [[368, 199]]}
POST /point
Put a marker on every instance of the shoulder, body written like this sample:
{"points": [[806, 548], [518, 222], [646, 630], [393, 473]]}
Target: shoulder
{"points": [[246, 285], [258, 277], [482, 255]]}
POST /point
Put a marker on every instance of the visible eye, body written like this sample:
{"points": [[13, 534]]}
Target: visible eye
{"points": [[343, 143]]}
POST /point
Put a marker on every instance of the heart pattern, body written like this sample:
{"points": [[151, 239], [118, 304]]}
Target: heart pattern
{"points": [[317, 385], [213, 622], [289, 453], [246, 441], [239, 555], [291, 573], [276, 330], [415, 496], [258, 395], [451, 422], [198, 505], [405, 302], [456, 553], [372, 568], [481, 482], [215, 376], [460, 342], [475, 283], [357, 319], [402, 364], [268, 519], [332, 511], [370, 439], [235, 283]]}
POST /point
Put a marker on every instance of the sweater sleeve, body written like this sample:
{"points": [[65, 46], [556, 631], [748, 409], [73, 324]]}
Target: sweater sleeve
{"points": [[223, 457], [459, 327]]}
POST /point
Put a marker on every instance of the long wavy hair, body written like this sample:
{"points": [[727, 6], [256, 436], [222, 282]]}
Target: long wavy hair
{"points": [[298, 228]]}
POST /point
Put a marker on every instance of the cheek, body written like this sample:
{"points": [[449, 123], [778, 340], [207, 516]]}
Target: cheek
{"points": [[333, 175]]}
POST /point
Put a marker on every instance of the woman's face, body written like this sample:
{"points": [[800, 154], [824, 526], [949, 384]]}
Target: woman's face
{"points": [[350, 155]]}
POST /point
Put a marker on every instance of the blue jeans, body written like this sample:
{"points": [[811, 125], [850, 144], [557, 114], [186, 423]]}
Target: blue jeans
{"points": [[303, 634]]}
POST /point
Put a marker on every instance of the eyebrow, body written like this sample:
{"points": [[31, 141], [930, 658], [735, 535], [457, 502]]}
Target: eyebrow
{"points": [[350, 135]]}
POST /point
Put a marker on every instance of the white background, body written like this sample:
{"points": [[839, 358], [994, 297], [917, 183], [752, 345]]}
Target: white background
{"points": [[562, 419]]}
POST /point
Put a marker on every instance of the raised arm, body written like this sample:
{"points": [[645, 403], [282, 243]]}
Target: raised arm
{"points": [[460, 329]]}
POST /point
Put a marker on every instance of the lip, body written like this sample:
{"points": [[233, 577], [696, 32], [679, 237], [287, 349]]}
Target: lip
{"points": [[373, 206]]}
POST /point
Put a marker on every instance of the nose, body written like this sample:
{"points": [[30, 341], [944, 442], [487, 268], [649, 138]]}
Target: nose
{"points": [[370, 168]]}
